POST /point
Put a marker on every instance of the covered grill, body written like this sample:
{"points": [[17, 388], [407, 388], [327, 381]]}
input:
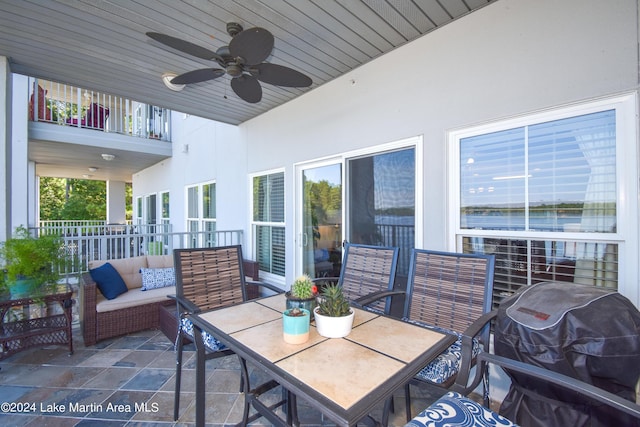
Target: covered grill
{"points": [[589, 333]]}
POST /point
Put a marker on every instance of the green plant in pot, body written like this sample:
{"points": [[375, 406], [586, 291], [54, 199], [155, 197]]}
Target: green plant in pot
{"points": [[32, 263], [303, 294], [4, 287], [333, 315]]}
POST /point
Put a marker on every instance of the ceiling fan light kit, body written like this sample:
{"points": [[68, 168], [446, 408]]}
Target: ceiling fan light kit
{"points": [[167, 78], [243, 60]]}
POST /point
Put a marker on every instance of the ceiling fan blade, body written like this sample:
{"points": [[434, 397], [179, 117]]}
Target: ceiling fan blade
{"points": [[253, 45], [197, 76], [185, 46], [280, 75], [247, 87]]}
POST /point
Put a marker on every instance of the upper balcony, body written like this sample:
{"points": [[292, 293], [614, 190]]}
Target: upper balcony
{"points": [[70, 128], [68, 105]]}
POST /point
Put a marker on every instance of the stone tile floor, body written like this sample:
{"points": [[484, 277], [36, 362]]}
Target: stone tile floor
{"points": [[129, 381]]}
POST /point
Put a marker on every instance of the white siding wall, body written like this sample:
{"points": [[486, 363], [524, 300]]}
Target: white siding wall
{"points": [[510, 58], [203, 150]]}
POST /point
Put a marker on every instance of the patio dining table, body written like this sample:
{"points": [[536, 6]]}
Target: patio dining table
{"points": [[344, 378]]}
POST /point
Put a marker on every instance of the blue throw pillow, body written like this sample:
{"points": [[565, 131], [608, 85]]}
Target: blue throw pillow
{"points": [[108, 281]]}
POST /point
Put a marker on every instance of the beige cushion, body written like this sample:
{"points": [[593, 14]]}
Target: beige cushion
{"points": [[129, 269], [160, 261], [133, 298]]}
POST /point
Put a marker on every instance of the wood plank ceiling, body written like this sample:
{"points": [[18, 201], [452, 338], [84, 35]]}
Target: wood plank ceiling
{"points": [[101, 44]]}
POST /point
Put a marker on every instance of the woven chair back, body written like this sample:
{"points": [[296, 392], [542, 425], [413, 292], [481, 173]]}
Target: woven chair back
{"points": [[449, 290], [210, 277], [368, 269]]}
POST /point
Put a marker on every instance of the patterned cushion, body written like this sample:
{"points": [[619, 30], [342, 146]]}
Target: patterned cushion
{"points": [[447, 364], [453, 409], [153, 278], [209, 341]]}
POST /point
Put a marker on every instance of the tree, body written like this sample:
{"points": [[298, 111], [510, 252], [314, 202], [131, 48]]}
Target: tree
{"points": [[77, 199], [52, 197], [72, 199]]}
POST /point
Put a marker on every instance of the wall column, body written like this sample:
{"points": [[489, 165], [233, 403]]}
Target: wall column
{"points": [[5, 149], [23, 191], [116, 202]]}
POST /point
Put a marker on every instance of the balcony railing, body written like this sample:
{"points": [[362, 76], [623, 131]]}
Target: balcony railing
{"points": [[85, 243], [68, 105]]}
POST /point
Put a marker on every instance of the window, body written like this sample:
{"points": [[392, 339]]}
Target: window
{"points": [[544, 194], [268, 224], [165, 216], [201, 214], [139, 210]]}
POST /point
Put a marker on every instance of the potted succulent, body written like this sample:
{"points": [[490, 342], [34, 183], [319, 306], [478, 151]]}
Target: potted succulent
{"points": [[31, 263], [303, 294], [295, 325], [333, 315]]}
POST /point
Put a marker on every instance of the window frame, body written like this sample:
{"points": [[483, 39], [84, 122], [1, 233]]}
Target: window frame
{"points": [[200, 221], [267, 276], [626, 234]]}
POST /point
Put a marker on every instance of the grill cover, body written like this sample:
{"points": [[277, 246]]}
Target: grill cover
{"points": [[588, 333]]}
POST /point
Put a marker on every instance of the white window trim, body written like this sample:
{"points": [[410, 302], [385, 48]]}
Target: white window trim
{"points": [[627, 237], [200, 219], [160, 214], [268, 277]]}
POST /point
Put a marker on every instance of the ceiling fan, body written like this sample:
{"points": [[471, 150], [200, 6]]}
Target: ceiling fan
{"points": [[242, 59]]}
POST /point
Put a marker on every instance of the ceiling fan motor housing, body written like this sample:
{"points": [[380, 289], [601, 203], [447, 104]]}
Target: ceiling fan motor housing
{"points": [[233, 28]]}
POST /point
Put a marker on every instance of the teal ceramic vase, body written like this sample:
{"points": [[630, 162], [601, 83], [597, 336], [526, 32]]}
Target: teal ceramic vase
{"points": [[295, 329]]}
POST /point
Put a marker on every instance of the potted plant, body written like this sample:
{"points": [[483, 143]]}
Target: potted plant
{"points": [[333, 315], [4, 287], [295, 325], [303, 294], [31, 263]]}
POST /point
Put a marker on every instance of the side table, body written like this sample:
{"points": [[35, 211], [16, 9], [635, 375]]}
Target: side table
{"points": [[19, 333]]}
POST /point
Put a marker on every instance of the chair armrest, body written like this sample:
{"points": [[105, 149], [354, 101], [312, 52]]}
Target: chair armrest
{"points": [[88, 292], [467, 337], [375, 296], [265, 285], [88, 295], [185, 306], [593, 393]]}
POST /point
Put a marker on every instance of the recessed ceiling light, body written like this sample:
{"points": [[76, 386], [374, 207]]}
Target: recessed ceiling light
{"points": [[108, 157], [92, 168], [166, 79]]}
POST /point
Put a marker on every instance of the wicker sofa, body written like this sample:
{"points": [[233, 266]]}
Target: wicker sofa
{"points": [[133, 311]]}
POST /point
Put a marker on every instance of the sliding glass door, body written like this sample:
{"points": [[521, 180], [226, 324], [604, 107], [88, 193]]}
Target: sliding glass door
{"points": [[381, 201], [320, 237], [373, 203]]}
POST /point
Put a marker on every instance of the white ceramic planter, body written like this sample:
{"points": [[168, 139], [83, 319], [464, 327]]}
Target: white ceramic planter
{"points": [[333, 327]]}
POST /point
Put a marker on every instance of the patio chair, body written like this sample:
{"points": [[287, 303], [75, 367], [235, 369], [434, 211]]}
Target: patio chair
{"points": [[367, 276], [206, 279], [596, 406], [448, 291]]}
